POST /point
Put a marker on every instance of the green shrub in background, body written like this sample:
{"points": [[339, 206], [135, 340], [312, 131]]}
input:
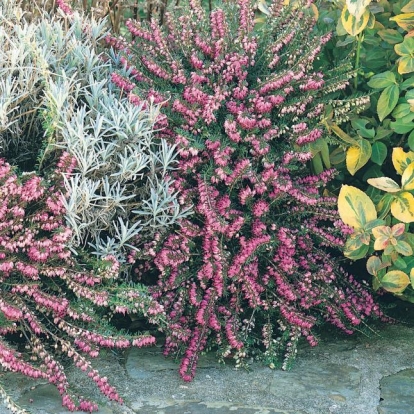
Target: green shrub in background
{"points": [[384, 227], [379, 34]]}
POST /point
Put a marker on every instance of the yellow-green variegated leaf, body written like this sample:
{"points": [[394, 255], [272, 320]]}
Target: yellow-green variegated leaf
{"points": [[357, 7], [405, 21], [395, 281], [354, 25], [402, 208], [403, 248], [382, 235], [384, 184], [357, 253], [412, 277], [407, 179], [373, 265], [355, 207], [405, 64], [408, 8], [401, 159], [357, 157]]}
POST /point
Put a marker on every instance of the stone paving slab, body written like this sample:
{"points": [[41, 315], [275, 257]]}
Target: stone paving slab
{"points": [[397, 393], [200, 407], [343, 375]]}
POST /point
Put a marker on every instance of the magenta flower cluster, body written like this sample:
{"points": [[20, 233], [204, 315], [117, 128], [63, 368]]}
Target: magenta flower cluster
{"points": [[47, 296], [252, 269]]}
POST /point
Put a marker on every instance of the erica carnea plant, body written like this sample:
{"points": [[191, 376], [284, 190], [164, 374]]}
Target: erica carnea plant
{"points": [[251, 271], [48, 298], [56, 96]]}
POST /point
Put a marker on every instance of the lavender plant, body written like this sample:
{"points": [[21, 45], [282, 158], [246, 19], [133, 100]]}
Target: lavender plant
{"points": [[253, 269], [56, 96]]}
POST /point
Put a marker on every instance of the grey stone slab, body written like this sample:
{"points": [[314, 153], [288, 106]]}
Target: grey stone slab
{"points": [[45, 399], [397, 393], [200, 407], [144, 363], [339, 383]]}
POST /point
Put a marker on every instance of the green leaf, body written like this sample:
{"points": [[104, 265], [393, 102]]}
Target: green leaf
{"points": [[408, 83], [382, 80], [360, 125], [399, 263], [316, 162], [411, 140], [373, 223], [379, 152], [390, 36], [376, 284], [348, 40], [387, 101], [401, 127], [337, 156], [401, 110], [409, 261]]}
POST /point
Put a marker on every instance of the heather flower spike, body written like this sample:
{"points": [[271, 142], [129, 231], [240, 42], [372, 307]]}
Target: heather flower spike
{"points": [[250, 271]]}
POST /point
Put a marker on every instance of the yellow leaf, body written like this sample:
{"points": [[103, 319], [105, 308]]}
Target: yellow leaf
{"points": [[407, 179], [401, 160], [395, 281], [315, 11], [412, 277], [402, 208], [357, 157], [355, 207], [353, 25], [384, 184], [405, 21]]}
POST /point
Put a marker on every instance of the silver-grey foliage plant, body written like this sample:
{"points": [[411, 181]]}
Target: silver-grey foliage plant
{"points": [[56, 96]]}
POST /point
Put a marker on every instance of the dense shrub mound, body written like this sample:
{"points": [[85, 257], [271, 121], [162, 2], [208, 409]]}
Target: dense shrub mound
{"points": [[254, 269]]}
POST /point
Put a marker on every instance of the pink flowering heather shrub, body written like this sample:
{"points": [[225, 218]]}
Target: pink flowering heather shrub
{"points": [[48, 298], [254, 269]]}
